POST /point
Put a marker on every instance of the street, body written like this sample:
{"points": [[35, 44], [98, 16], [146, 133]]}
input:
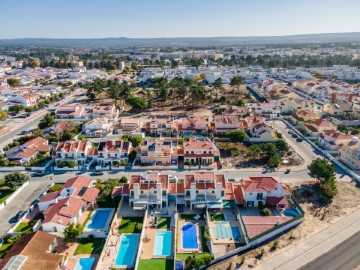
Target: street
{"points": [[342, 257], [33, 121]]}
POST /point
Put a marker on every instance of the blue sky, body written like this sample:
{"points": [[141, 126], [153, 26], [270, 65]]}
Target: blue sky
{"points": [[175, 18]]}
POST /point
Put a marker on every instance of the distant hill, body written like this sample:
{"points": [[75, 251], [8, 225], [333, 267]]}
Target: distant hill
{"points": [[182, 41]]}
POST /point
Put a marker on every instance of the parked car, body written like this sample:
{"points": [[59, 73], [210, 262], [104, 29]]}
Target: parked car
{"points": [[98, 173], [17, 217], [290, 132], [287, 171], [294, 136], [299, 139]]}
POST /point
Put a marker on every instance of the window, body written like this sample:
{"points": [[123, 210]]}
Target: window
{"points": [[164, 192], [213, 191], [188, 193], [155, 191], [197, 192], [142, 192], [259, 196]]}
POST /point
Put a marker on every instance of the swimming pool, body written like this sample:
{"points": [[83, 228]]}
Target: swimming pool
{"points": [[291, 213], [100, 219], [127, 249], [189, 236], [162, 246], [222, 232], [84, 264]]}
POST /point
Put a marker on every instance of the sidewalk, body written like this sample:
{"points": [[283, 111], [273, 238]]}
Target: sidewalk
{"points": [[315, 246]]}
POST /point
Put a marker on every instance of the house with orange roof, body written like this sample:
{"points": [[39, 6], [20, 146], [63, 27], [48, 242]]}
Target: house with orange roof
{"points": [[65, 206], [241, 111], [226, 122], [303, 116], [258, 129], [84, 113], [204, 190], [316, 127], [147, 189], [34, 251], [80, 151], [267, 110], [333, 139], [193, 124], [259, 191], [199, 151], [293, 105], [80, 187], [25, 152], [112, 152]]}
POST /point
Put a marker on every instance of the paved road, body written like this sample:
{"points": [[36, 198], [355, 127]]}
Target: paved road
{"points": [[33, 121], [343, 257], [22, 202]]}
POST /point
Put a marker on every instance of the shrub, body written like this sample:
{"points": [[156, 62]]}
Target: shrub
{"points": [[265, 212]]}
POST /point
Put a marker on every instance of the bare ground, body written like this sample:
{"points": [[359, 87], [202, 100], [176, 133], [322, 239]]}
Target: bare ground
{"points": [[235, 155], [318, 216]]}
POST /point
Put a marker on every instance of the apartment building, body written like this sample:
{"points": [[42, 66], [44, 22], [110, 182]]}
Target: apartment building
{"points": [[160, 125], [80, 151], [226, 122], [112, 152], [266, 110], [98, 127], [293, 105], [316, 127], [83, 113], [193, 124], [127, 125]]}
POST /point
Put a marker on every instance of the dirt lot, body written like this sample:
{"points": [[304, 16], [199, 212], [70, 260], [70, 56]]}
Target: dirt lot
{"points": [[235, 155], [318, 216]]}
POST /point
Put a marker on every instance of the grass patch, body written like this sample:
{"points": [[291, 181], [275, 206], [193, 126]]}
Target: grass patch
{"points": [[26, 226], [204, 240], [217, 217], [90, 245], [191, 217], [55, 187], [158, 264], [4, 248], [164, 223], [5, 193], [131, 225]]}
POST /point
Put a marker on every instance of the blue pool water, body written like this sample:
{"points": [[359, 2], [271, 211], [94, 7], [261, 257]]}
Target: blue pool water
{"points": [[222, 232], [162, 245], [127, 250], [84, 264], [291, 213], [99, 219], [189, 236]]}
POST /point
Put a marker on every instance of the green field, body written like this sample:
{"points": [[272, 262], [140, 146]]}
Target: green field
{"points": [[156, 264], [164, 223], [90, 246], [131, 225]]}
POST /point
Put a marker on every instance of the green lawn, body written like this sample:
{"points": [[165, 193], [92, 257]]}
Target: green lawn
{"points": [[191, 217], [55, 187], [4, 248], [25, 226], [156, 264], [164, 223], [131, 225], [90, 246], [217, 217], [5, 193]]}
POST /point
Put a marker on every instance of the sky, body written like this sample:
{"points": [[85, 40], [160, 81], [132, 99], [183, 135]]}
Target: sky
{"points": [[175, 18]]}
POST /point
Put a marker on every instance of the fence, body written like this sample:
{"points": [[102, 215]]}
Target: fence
{"points": [[12, 169], [142, 235], [12, 196]]}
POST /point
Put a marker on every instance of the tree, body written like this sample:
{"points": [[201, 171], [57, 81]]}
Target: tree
{"points": [[47, 121], [132, 156], [149, 98], [137, 102], [135, 140], [16, 108], [254, 151], [3, 115], [236, 135], [72, 231], [274, 160], [13, 81], [123, 180], [236, 81], [218, 84], [4, 162], [38, 132], [321, 170], [324, 172], [66, 135], [196, 262], [282, 146], [15, 179], [241, 102]]}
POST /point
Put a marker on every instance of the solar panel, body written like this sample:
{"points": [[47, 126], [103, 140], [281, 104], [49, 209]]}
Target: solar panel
{"points": [[15, 262]]}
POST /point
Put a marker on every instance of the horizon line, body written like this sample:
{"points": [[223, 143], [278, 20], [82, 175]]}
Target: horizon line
{"points": [[255, 36]]}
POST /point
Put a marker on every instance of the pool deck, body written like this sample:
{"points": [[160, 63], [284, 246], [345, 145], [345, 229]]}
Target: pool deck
{"points": [[198, 224], [148, 242]]}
